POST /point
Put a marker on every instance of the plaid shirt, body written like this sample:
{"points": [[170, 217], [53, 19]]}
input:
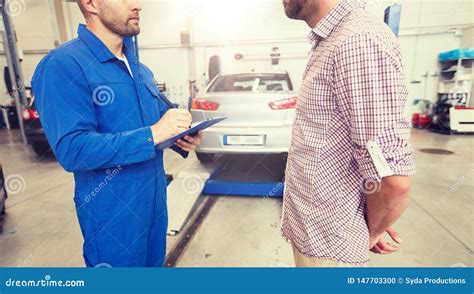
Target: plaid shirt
{"points": [[349, 131]]}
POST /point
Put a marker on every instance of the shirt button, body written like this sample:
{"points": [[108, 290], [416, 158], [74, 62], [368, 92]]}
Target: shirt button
{"points": [[150, 139], [153, 156]]}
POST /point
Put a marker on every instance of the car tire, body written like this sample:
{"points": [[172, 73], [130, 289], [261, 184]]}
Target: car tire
{"points": [[205, 157], [284, 160], [40, 148], [4, 201]]}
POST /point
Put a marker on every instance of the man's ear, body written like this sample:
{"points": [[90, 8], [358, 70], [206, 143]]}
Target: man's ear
{"points": [[91, 6]]}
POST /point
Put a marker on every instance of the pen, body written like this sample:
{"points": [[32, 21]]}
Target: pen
{"points": [[190, 103]]}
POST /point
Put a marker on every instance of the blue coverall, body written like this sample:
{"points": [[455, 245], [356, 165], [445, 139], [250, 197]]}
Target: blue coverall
{"points": [[97, 119]]}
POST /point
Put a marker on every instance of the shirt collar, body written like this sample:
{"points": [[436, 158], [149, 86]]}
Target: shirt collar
{"points": [[98, 47], [326, 25]]}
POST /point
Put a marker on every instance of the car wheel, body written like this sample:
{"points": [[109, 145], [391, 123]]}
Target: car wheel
{"points": [[205, 157], [40, 148]]}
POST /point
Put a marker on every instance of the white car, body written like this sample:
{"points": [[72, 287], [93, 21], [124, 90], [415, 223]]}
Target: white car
{"points": [[260, 108]]}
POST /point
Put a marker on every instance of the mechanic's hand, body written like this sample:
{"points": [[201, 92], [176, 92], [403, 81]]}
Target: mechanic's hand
{"points": [[174, 121], [379, 246], [189, 143]]}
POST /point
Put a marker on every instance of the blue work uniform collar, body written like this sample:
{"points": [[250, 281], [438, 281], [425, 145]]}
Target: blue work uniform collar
{"points": [[101, 51]]}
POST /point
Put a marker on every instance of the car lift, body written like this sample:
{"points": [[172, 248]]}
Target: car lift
{"points": [[196, 179], [185, 189]]}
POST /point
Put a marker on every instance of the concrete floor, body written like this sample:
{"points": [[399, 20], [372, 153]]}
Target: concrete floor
{"points": [[41, 229]]}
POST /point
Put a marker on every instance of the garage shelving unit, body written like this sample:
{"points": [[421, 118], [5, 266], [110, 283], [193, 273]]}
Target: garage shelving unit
{"points": [[455, 79], [453, 110]]}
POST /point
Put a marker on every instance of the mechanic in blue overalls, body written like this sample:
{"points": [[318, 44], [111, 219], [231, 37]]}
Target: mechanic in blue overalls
{"points": [[103, 115]]}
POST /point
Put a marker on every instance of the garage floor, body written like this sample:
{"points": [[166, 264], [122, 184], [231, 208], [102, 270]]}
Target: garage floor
{"points": [[41, 229]]}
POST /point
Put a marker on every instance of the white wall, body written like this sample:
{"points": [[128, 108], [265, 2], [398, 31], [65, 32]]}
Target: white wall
{"points": [[468, 38], [253, 27]]}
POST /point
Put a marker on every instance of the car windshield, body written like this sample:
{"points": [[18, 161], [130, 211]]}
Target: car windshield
{"points": [[252, 83]]}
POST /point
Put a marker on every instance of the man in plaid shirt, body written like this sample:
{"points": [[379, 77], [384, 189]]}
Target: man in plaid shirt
{"points": [[350, 160]]}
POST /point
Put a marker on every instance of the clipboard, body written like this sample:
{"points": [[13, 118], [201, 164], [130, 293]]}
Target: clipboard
{"points": [[191, 132]]}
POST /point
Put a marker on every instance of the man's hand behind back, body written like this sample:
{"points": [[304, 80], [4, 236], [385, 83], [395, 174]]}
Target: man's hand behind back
{"points": [[380, 246]]}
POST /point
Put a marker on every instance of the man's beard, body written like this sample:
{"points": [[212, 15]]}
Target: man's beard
{"points": [[294, 8], [120, 28]]}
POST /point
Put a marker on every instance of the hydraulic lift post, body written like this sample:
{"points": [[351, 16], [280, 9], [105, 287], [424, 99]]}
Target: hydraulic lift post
{"points": [[13, 61]]}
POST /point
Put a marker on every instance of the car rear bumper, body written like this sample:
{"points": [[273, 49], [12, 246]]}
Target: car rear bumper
{"points": [[276, 139]]}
